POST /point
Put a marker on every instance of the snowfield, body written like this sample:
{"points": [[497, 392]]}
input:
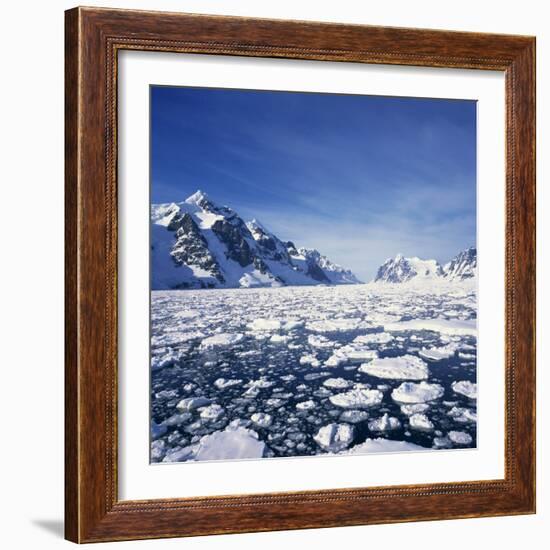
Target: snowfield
{"points": [[301, 371]]}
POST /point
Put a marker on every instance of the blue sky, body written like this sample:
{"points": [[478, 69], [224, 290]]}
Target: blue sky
{"points": [[360, 178]]}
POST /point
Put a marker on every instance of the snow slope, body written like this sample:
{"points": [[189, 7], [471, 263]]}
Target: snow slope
{"points": [[199, 244]]}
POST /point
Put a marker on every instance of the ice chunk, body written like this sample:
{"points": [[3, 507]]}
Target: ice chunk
{"points": [[230, 444], [419, 421], [318, 341], [177, 419], [211, 412], [166, 394], [305, 405], [221, 340], [374, 338], [357, 398], [335, 437], [444, 326], [437, 354], [192, 403], [406, 367], [279, 339], [414, 408], [350, 353], [264, 324], [384, 423], [409, 392], [337, 325], [464, 387], [460, 438], [291, 324], [169, 357], [309, 359], [254, 386], [262, 420], [353, 416], [462, 414], [340, 383], [181, 454], [158, 450], [380, 445], [222, 383]]}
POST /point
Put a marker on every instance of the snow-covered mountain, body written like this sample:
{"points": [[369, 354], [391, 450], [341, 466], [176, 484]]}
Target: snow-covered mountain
{"points": [[403, 270], [462, 266], [199, 244]]}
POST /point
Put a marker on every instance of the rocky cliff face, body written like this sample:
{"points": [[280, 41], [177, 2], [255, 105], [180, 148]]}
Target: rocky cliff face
{"points": [[199, 244]]}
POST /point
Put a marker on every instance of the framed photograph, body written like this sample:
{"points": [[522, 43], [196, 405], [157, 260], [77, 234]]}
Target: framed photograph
{"points": [[300, 275]]}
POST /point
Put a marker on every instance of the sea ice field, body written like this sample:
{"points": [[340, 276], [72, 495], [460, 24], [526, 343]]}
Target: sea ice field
{"points": [[303, 371]]}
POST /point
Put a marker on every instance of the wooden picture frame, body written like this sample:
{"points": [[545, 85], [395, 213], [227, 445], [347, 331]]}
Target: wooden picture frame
{"points": [[93, 511]]}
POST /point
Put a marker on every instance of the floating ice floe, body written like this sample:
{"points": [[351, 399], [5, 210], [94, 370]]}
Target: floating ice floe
{"points": [[339, 383], [158, 450], [353, 416], [406, 367], [186, 314], [374, 338], [380, 445], [444, 326], [166, 394], [221, 340], [229, 444], [464, 387], [291, 324], [462, 414], [177, 419], [357, 398], [222, 383], [262, 420], [338, 325], [264, 325], [318, 341], [409, 392], [437, 354], [309, 359], [279, 339], [414, 408], [305, 405], [460, 438], [335, 437], [254, 386], [384, 423], [192, 403], [420, 421], [350, 353], [169, 357], [211, 412]]}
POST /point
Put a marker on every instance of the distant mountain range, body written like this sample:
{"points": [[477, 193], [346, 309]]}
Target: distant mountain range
{"points": [[402, 270], [199, 244]]}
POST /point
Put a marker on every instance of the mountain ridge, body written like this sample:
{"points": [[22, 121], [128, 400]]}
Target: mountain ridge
{"points": [[401, 270], [197, 243]]}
